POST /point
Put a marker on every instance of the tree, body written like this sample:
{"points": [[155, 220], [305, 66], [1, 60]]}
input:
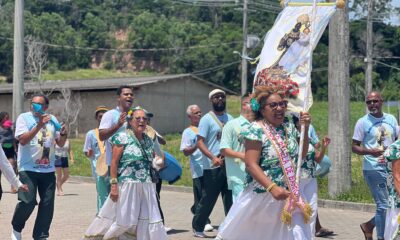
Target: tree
{"points": [[72, 107], [36, 59]]}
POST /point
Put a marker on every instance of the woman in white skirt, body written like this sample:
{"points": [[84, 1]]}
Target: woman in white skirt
{"points": [[270, 157], [392, 228], [131, 211]]}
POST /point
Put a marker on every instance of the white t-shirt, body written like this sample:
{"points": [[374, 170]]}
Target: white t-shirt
{"points": [[62, 151], [38, 154], [110, 118]]}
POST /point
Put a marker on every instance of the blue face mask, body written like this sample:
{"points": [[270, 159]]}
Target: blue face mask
{"points": [[37, 108]]}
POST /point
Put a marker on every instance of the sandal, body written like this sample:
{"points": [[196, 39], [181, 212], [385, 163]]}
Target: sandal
{"points": [[323, 232], [367, 235]]}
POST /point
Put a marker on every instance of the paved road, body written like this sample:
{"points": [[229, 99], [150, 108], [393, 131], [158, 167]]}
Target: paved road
{"points": [[76, 209]]}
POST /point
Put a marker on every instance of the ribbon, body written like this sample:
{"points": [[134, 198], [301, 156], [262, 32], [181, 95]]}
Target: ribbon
{"points": [[288, 168]]}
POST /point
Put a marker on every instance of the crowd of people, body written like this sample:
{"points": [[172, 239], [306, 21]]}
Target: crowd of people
{"points": [[250, 160]]}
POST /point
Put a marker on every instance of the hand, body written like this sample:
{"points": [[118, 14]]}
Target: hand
{"points": [[43, 119], [63, 130], [218, 161], [90, 153], [24, 188], [325, 142], [122, 119], [305, 118], [376, 152], [279, 193], [114, 192]]}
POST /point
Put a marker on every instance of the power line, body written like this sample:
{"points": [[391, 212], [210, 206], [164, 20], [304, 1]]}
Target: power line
{"points": [[387, 65], [213, 69]]}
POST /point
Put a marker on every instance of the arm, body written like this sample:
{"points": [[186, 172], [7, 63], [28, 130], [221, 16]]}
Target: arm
{"points": [[233, 154], [71, 154], [360, 150], [117, 151], [228, 137], [217, 161], [63, 136], [9, 173], [106, 133], [26, 137], [319, 155], [396, 175], [189, 150], [252, 158]]}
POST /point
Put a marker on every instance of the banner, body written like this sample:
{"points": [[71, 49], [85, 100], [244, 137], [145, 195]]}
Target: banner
{"points": [[287, 48]]}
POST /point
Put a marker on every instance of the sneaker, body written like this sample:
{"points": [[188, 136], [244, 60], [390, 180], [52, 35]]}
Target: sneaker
{"points": [[167, 229], [200, 235], [15, 235], [208, 228]]}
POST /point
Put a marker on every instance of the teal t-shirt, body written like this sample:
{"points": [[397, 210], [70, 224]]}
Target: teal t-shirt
{"points": [[211, 132], [231, 138], [375, 132]]}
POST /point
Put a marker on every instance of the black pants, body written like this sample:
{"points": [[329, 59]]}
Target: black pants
{"points": [[45, 185], [197, 191], [214, 183], [158, 189]]}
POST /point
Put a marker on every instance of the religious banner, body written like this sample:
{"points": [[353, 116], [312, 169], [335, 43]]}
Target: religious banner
{"points": [[285, 57]]}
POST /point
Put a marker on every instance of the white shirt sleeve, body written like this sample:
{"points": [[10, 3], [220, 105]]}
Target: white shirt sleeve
{"points": [[358, 131], [106, 120], [20, 127], [8, 171], [185, 142], [88, 143]]}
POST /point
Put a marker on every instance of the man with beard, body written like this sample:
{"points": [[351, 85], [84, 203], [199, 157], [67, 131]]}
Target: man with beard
{"points": [[232, 147], [372, 134], [214, 175], [114, 120]]}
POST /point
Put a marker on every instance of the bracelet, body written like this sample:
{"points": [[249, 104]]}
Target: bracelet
{"points": [[113, 181], [271, 186]]}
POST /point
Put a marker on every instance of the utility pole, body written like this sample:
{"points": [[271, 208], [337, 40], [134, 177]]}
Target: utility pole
{"points": [[18, 75], [339, 103], [368, 58], [244, 49]]}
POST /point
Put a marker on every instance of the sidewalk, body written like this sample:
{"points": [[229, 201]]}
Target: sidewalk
{"points": [[75, 211]]}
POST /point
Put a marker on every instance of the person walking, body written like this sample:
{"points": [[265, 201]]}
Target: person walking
{"points": [[37, 133], [63, 155], [373, 133]]}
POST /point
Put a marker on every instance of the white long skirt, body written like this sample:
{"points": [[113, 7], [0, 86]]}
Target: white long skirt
{"points": [[257, 216], [134, 216], [391, 224], [309, 192]]}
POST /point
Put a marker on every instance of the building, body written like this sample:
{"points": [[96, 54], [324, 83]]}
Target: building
{"points": [[167, 96]]}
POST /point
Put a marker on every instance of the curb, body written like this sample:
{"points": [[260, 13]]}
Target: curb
{"points": [[324, 203]]}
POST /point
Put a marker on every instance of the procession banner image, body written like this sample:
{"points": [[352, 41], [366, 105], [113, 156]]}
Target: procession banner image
{"points": [[285, 57]]}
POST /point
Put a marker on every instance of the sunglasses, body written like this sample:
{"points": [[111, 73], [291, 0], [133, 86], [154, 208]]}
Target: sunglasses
{"points": [[140, 118], [274, 105], [369, 102]]}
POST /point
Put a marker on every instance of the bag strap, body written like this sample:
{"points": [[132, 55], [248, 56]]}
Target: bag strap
{"points": [[100, 143], [220, 124]]}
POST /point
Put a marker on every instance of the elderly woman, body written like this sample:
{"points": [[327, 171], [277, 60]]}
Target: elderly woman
{"points": [[270, 206], [392, 155], [131, 209]]}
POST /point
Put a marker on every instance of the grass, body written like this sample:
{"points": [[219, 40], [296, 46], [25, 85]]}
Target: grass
{"points": [[359, 191], [91, 74]]}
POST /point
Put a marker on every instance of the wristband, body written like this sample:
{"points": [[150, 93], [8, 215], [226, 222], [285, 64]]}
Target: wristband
{"points": [[271, 186], [113, 181]]}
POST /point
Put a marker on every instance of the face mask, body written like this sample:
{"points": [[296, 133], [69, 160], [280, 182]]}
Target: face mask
{"points": [[37, 108]]}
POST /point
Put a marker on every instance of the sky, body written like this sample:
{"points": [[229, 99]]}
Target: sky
{"points": [[395, 20]]}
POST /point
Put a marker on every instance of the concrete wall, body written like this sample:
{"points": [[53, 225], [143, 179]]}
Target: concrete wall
{"points": [[167, 100]]}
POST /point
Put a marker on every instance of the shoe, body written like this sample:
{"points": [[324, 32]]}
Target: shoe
{"points": [[218, 238], [200, 235], [208, 228], [323, 232], [15, 235], [167, 229]]}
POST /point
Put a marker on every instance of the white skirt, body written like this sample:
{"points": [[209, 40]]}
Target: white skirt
{"points": [[134, 216], [257, 216], [309, 192], [391, 224]]}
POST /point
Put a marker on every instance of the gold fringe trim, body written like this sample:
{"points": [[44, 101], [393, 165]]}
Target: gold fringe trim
{"points": [[307, 212], [286, 217]]}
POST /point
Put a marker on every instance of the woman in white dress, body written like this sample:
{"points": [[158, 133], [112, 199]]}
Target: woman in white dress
{"points": [[267, 208], [131, 211]]}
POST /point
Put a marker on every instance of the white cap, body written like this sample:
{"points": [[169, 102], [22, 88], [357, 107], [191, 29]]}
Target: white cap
{"points": [[215, 91]]}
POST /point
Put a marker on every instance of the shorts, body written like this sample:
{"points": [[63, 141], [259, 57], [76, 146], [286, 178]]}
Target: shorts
{"points": [[10, 153], [61, 162]]}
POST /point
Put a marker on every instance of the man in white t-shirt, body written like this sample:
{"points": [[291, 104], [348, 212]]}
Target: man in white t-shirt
{"points": [[114, 120], [37, 133], [373, 133]]}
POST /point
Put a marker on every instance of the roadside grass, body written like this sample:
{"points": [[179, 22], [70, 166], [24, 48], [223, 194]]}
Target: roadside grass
{"points": [[91, 74], [359, 191]]}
